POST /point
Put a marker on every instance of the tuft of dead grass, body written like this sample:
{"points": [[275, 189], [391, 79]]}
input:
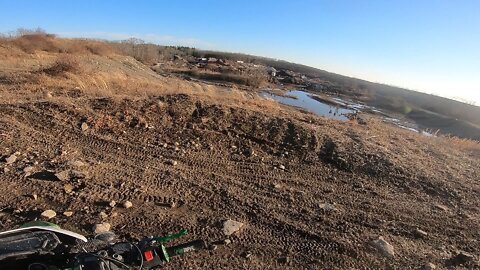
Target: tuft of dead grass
{"points": [[61, 66]]}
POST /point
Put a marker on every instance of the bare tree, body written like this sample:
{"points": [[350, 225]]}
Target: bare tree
{"points": [[25, 31]]}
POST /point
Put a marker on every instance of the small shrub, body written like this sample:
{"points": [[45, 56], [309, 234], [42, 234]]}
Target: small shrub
{"points": [[32, 42], [61, 66]]}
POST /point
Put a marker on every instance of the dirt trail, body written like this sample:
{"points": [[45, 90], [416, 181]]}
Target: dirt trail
{"points": [[312, 192]]}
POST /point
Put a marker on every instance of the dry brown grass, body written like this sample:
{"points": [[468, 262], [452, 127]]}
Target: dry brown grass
{"points": [[32, 43], [54, 68], [462, 143]]}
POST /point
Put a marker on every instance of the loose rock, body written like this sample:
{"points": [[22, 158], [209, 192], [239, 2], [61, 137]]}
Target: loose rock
{"points": [[385, 248], [68, 213], [281, 167], [171, 162], [101, 228], [227, 242], [327, 207], [429, 266], [127, 204], [63, 175], [84, 126], [420, 234], [441, 207], [11, 159], [68, 188], [103, 215], [277, 186], [48, 214], [35, 196], [231, 226], [28, 169], [112, 203]]}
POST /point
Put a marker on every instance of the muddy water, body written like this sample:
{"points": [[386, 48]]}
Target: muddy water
{"points": [[304, 100], [301, 99]]}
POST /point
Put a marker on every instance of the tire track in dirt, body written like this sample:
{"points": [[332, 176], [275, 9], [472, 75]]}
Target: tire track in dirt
{"points": [[214, 181]]}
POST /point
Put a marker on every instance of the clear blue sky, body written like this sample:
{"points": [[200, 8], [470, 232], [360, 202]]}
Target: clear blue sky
{"points": [[430, 46]]}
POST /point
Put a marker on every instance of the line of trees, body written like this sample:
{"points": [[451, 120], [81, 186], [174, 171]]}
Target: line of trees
{"points": [[151, 53]]}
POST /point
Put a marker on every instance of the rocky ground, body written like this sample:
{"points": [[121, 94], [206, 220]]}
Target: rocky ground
{"points": [[310, 193], [112, 143]]}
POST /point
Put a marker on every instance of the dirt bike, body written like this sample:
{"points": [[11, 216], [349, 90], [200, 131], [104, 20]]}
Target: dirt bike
{"points": [[42, 245]]}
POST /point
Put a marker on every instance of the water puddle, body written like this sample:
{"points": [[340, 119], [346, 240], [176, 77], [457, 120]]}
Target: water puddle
{"points": [[337, 108], [307, 101], [408, 126]]}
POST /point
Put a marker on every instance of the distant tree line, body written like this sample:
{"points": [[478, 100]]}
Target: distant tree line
{"points": [[151, 53]]}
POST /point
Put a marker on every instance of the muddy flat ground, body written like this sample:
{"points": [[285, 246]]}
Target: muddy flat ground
{"points": [[312, 193]]}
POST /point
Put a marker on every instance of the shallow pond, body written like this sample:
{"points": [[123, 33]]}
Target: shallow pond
{"points": [[301, 99]]}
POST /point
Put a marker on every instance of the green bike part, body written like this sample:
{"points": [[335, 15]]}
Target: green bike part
{"points": [[39, 223], [171, 237]]}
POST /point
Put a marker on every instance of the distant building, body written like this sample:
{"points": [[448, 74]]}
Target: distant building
{"points": [[272, 71], [202, 62]]}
